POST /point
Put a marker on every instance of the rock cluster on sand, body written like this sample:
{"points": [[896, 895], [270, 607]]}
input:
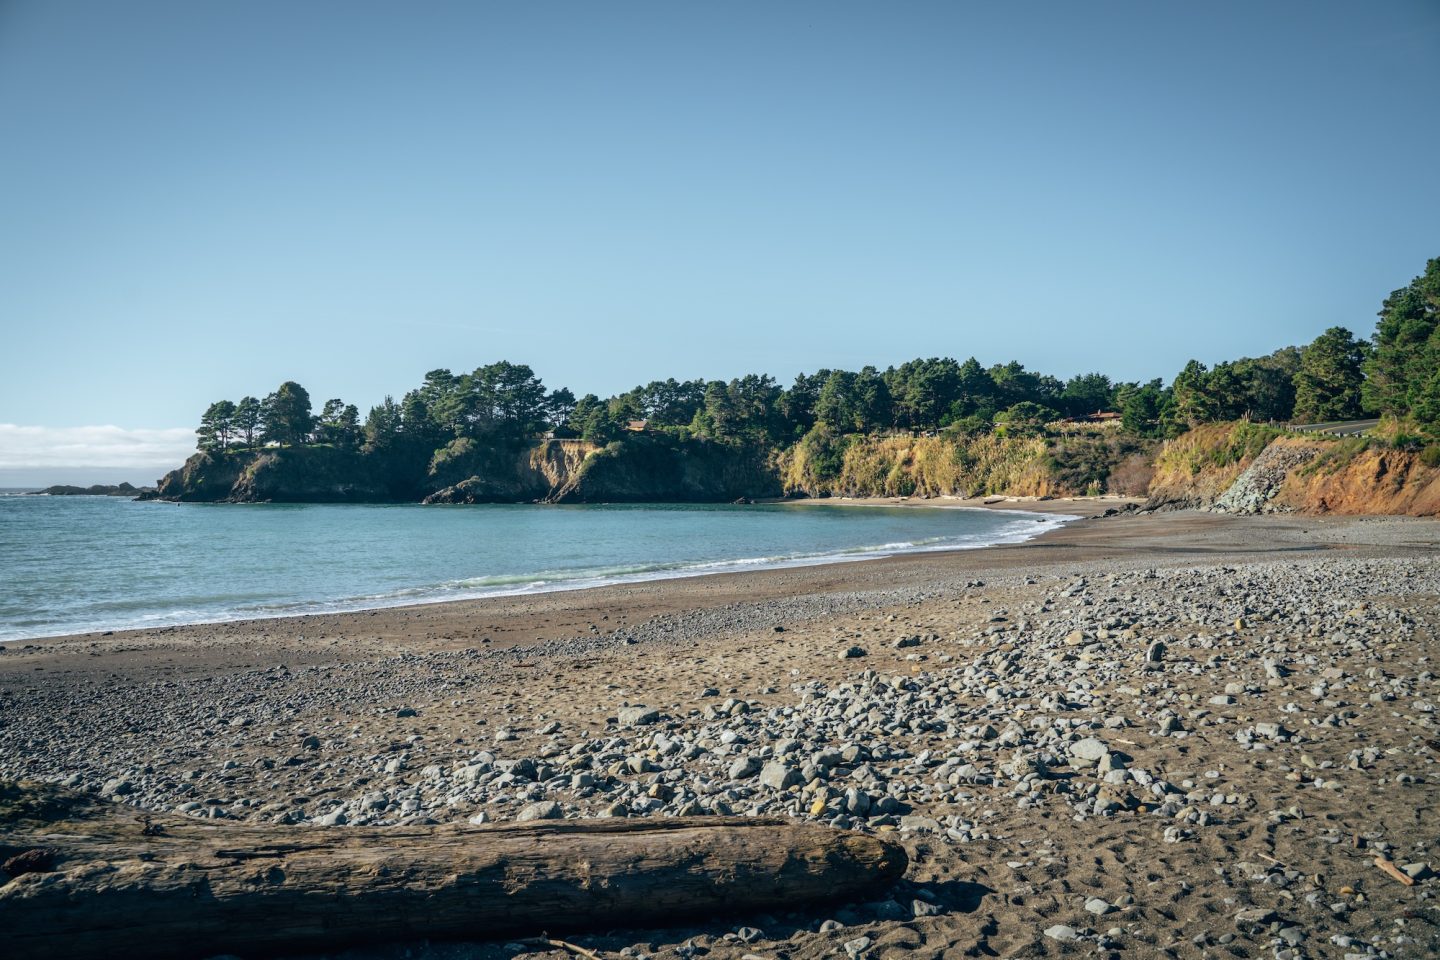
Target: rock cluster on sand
{"points": [[1116, 756]]}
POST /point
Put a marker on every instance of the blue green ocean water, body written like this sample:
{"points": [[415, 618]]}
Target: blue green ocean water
{"points": [[74, 564]]}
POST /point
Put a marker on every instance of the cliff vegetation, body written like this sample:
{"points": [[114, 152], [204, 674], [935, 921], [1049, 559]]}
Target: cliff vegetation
{"points": [[928, 427]]}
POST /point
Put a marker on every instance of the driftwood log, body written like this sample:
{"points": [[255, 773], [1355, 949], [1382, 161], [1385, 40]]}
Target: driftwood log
{"points": [[84, 878]]}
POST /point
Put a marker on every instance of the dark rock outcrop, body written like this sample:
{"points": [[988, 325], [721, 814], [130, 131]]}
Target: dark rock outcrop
{"points": [[311, 475], [95, 490], [205, 478], [280, 474], [467, 472], [658, 468], [648, 468]]}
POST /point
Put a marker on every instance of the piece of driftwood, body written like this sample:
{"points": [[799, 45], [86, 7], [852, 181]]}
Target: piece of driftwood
{"points": [[568, 947], [113, 884], [1389, 867]]}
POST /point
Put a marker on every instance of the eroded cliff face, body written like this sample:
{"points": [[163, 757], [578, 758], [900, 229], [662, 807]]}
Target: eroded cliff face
{"points": [[1373, 481], [559, 461], [1243, 468], [204, 478], [658, 468], [945, 466], [1197, 467], [466, 472]]}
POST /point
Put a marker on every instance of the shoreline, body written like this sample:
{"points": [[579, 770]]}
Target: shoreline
{"points": [[518, 620], [1070, 509], [1078, 507]]}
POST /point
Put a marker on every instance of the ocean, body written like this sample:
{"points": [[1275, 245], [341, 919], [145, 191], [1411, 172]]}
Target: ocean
{"points": [[77, 564]]}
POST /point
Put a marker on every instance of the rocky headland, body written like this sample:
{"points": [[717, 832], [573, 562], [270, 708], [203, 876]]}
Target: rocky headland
{"points": [[644, 469], [94, 490]]}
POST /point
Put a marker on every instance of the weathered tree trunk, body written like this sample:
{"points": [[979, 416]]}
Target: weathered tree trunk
{"points": [[179, 888]]}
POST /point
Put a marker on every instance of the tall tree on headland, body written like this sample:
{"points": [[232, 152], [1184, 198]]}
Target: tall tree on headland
{"points": [[287, 416], [216, 425], [247, 420], [509, 400], [339, 424]]}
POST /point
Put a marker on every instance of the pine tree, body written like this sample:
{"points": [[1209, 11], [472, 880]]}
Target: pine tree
{"points": [[216, 425], [1327, 385], [287, 415], [247, 420]]}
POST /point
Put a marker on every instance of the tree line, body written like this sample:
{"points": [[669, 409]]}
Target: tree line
{"points": [[1395, 373]]}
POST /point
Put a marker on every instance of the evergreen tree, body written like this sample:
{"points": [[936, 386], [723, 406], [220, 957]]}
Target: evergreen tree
{"points": [[515, 397], [1014, 384], [1192, 403], [1087, 394], [1226, 389], [922, 392], [418, 424], [339, 424], [745, 410], [1401, 372], [670, 403], [444, 397], [1269, 385], [976, 392], [591, 420], [1141, 407], [216, 425], [286, 415], [1327, 385], [626, 407], [383, 426], [797, 405], [854, 402], [558, 406], [247, 420]]}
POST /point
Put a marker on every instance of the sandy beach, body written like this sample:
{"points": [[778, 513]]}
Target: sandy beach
{"points": [[1173, 735]]}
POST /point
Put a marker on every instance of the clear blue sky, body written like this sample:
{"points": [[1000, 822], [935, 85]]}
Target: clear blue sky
{"points": [[199, 200]]}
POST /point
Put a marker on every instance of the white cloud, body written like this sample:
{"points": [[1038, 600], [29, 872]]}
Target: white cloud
{"points": [[100, 446]]}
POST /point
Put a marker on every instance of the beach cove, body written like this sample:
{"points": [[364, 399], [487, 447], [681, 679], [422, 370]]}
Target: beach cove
{"points": [[1137, 734]]}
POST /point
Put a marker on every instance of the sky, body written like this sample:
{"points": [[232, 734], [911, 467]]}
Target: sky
{"points": [[201, 200]]}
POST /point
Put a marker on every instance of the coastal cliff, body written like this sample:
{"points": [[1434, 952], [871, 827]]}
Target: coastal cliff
{"points": [[1230, 468], [1247, 468], [282, 475], [1238, 468], [639, 469], [467, 472], [661, 468], [906, 466]]}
